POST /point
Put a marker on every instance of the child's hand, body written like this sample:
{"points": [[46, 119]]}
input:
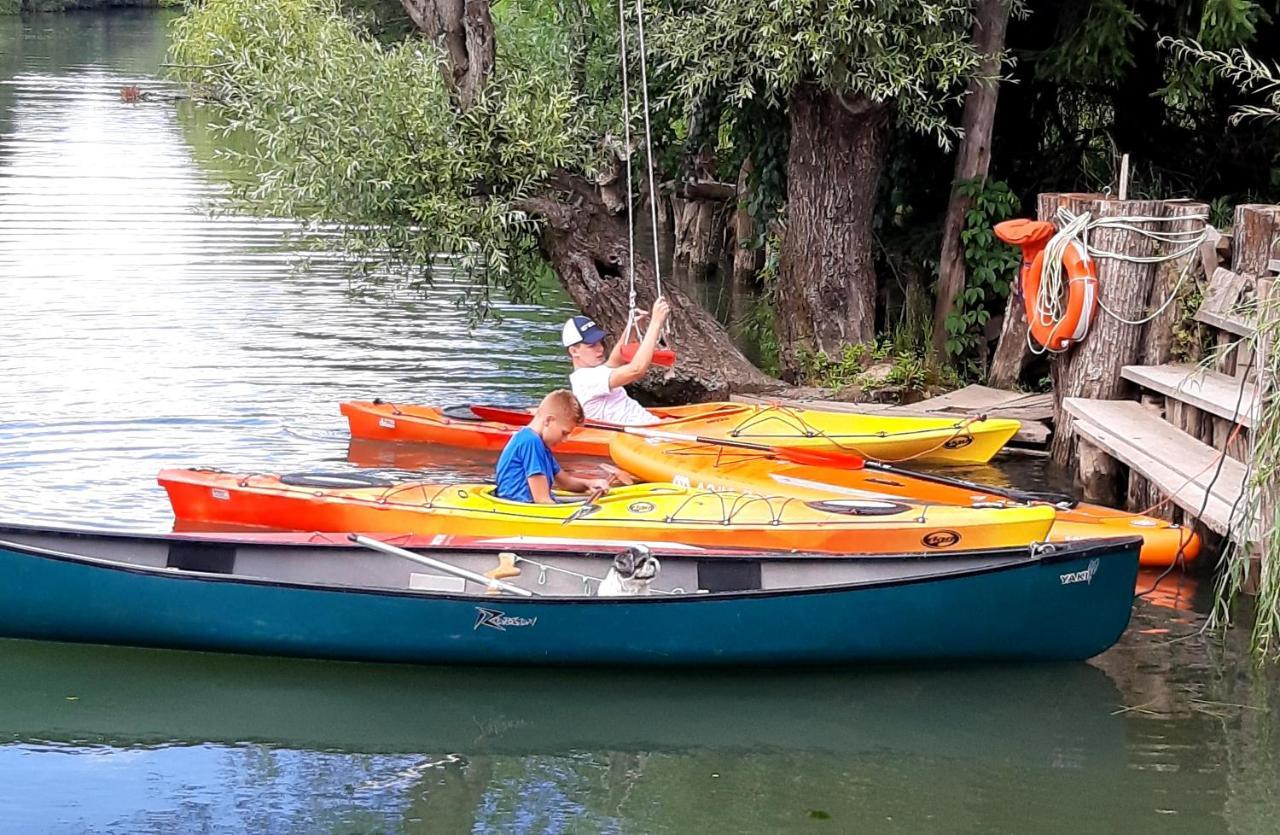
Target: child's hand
{"points": [[598, 486], [661, 310]]}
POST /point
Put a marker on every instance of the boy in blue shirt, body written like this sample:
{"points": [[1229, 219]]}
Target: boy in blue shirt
{"points": [[527, 470]]}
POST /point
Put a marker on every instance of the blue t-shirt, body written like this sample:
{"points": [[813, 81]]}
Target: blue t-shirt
{"points": [[526, 454]]}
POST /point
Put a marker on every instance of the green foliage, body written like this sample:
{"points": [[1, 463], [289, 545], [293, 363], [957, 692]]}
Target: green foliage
{"points": [[913, 54], [991, 266], [1246, 73], [909, 369], [363, 138], [1261, 501]]}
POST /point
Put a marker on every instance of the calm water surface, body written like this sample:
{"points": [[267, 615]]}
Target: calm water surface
{"points": [[142, 332]]}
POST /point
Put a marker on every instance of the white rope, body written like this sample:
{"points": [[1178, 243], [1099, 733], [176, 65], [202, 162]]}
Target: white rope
{"points": [[1050, 303], [626, 148], [648, 144]]}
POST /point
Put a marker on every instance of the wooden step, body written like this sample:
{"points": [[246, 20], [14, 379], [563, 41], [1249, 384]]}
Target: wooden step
{"points": [[1176, 463], [1209, 391]]}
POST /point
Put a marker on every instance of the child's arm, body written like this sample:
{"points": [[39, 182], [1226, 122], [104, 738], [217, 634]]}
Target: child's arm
{"points": [[624, 375], [576, 485], [540, 490]]}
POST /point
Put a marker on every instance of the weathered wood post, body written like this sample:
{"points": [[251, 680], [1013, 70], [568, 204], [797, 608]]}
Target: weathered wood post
{"points": [[1176, 277], [1091, 369]]}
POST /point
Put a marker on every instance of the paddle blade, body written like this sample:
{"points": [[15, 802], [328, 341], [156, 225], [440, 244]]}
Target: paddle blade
{"points": [[497, 414], [820, 457], [661, 356]]}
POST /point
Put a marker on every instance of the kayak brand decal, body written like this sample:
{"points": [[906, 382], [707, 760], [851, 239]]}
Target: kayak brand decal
{"points": [[640, 507], [681, 480], [499, 620], [1084, 576], [940, 539], [959, 442], [220, 494], [386, 423]]}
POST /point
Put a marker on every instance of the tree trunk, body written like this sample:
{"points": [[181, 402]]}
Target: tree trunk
{"points": [[826, 290], [747, 259], [991, 17], [586, 243], [464, 29]]}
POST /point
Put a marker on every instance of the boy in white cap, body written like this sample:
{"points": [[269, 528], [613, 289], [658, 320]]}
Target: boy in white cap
{"points": [[598, 380]]}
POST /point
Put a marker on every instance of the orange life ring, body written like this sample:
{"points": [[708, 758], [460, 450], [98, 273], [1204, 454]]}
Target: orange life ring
{"points": [[1082, 283]]}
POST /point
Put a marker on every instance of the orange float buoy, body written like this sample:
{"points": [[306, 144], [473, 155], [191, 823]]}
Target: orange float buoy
{"points": [[1054, 333]]}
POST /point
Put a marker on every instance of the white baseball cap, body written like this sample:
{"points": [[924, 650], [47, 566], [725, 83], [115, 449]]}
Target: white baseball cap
{"points": [[581, 329]]}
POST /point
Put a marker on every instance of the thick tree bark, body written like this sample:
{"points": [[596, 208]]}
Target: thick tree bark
{"points": [[586, 243], [826, 287], [465, 30], [991, 18]]}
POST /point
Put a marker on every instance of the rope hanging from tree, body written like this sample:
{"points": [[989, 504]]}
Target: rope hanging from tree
{"points": [[631, 332]]}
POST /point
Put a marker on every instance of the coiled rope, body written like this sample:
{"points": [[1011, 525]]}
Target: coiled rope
{"points": [[1050, 302]]}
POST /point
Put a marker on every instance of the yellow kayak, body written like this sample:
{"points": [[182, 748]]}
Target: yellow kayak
{"points": [[714, 467]]}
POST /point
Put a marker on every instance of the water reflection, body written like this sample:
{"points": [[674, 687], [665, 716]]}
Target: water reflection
{"points": [[498, 745], [152, 334]]}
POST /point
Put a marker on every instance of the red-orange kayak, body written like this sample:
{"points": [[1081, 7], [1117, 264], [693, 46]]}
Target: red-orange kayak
{"points": [[713, 467], [458, 427], [654, 513], [944, 439]]}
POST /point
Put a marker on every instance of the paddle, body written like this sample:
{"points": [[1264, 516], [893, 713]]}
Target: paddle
{"points": [[430, 562], [812, 457]]}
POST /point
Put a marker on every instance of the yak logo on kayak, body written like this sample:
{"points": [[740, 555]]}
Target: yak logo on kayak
{"points": [[940, 539], [958, 442], [499, 620], [386, 423], [1085, 576], [640, 507]]}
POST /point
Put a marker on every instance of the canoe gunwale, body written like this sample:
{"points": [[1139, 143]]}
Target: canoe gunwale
{"points": [[1036, 555]]}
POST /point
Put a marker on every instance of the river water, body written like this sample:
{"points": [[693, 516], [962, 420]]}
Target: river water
{"points": [[141, 331]]}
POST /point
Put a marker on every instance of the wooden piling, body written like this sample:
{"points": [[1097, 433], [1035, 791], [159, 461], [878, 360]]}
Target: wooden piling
{"points": [[1092, 369]]}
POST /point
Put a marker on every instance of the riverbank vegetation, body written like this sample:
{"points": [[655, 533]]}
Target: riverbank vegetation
{"points": [[494, 135]]}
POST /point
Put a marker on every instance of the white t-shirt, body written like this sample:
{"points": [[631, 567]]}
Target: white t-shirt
{"points": [[599, 402]]}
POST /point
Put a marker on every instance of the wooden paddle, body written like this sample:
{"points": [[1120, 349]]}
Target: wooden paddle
{"points": [[796, 455]]}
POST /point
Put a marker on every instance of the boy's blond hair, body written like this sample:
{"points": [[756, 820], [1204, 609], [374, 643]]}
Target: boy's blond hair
{"points": [[562, 404]]}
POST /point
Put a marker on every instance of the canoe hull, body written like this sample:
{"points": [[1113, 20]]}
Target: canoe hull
{"points": [[1064, 606]]}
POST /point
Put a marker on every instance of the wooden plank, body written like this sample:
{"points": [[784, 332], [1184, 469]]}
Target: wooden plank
{"points": [[1206, 390], [1177, 464], [1220, 308]]}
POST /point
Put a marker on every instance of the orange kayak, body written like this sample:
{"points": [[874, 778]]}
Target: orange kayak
{"points": [[652, 513], [712, 467], [948, 440], [457, 427]]}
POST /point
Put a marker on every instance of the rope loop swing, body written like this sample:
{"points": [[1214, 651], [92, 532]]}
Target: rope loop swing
{"points": [[631, 335]]}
